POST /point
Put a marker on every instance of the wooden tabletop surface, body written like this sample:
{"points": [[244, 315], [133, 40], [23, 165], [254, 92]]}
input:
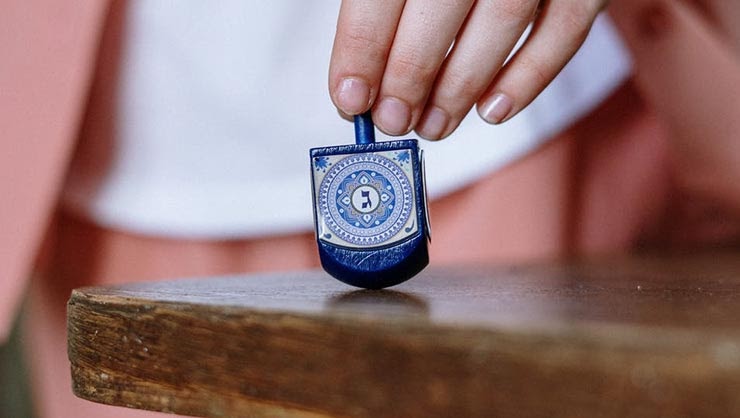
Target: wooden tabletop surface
{"points": [[632, 337]]}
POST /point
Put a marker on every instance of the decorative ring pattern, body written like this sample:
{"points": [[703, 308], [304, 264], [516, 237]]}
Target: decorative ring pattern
{"points": [[365, 199]]}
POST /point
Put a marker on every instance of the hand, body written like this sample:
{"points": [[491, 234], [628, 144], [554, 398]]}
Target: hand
{"points": [[391, 56]]}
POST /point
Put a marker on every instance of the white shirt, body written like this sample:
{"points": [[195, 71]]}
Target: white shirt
{"points": [[219, 102]]}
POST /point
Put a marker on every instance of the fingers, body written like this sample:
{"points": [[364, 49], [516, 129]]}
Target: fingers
{"points": [[377, 41], [365, 32], [392, 57], [487, 38], [558, 32], [425, 33]]}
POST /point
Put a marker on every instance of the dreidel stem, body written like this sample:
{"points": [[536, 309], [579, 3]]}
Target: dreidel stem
{"points": [[364, 129]]}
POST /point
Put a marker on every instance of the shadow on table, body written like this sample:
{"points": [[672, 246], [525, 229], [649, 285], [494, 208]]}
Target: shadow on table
{"points": [[380, 303]]}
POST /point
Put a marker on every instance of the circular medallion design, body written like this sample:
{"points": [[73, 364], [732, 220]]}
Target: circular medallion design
{"points": [[365, 199]]}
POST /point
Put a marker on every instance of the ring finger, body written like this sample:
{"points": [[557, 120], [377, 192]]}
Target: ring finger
{"points": [[487, 38]]}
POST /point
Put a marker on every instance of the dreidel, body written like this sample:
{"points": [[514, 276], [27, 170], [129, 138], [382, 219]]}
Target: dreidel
{"points": [[370, 209]]}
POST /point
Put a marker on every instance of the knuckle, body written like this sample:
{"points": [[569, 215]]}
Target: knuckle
{"points": [[456, 3], [534, 70], [360, 40], [577, 18], [452, 4], [458, 92], [517, 9], [409, 68], [464, 87]]}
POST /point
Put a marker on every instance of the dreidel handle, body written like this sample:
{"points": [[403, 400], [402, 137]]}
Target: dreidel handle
{"points": [[364, 129]]}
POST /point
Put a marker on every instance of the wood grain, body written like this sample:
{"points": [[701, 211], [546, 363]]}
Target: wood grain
{"points": [[637, 337]]}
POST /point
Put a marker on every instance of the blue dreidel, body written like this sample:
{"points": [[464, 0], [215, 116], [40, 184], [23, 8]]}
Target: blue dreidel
{"points": [[370, 211]]}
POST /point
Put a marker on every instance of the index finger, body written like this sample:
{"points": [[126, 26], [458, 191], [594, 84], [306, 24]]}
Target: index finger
{"points": [[365, 32]]}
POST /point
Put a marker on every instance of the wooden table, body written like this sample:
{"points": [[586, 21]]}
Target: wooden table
{"points": [[638, 337]]}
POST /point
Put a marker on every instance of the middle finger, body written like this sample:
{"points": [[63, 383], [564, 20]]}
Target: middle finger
{"points": [[424, 35]]}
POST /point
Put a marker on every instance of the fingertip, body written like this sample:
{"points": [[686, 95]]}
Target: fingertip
{"points": [[352, 95], [433, 124], [393, 116], [497, 109], [348, 118]]}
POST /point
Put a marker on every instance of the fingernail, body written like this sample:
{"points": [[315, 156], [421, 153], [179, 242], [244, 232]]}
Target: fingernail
{"points": [[433, 124], [353, 96], [496, 109], [393, 116]]}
